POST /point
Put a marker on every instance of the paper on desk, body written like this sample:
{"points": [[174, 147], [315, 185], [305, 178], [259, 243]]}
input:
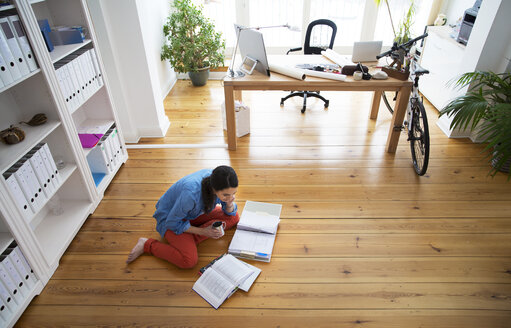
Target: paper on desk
{"points": [[336, 58], [288, 71], [325, 75]]}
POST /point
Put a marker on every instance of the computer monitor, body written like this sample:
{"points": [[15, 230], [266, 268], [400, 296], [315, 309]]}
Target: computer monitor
{"points": [[251, 45]]}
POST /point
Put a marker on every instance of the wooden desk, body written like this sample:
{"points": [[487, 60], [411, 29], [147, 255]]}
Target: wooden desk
{"points": [[258, 81]]}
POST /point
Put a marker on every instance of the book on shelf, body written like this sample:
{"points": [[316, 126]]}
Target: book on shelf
{"points": [[222, 277], [256, 231]]}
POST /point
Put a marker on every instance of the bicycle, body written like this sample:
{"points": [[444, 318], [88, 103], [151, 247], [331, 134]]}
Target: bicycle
{"points": [[416, 122]]}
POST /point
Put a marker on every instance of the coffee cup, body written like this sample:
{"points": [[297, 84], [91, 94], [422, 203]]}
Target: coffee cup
{"points": [[219, 225]]}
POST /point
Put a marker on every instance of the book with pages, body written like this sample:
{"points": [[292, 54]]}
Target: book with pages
{"points": [[224, 276], [256, 231]]}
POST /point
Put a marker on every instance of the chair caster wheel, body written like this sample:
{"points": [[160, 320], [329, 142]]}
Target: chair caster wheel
{"points": [[303, 110], [327, 103], [281, 102]]}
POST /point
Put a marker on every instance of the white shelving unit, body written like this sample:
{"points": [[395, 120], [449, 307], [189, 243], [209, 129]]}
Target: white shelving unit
{"points": [[45, 235]]}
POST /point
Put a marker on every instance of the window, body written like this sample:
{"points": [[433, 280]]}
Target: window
{"points": [[356, 20], [398, 9], [347, 15]]}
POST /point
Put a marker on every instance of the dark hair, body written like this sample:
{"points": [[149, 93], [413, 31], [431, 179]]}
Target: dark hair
{"points": [[221, 178]]}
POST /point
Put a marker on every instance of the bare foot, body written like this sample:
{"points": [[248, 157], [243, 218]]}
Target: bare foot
{"points": [[137, 250]]}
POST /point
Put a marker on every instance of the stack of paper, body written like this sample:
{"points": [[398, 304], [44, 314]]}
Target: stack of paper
{"points": [[256, 232]]}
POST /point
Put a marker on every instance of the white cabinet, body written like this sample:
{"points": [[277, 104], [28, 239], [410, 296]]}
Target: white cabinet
{"points": [[45, 230], [442, 56]]}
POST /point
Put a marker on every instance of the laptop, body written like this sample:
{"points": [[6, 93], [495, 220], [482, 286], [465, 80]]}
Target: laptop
{"points": [[366, 51]]}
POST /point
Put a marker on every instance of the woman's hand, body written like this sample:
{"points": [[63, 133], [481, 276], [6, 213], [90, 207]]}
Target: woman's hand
{"points": [[211, 232], [229, 206]]}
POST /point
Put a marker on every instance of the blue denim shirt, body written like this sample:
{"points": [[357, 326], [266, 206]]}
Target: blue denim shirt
{"points": [[183, 202]]}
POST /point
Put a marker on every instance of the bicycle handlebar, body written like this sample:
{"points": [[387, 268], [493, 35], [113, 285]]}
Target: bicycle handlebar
{"points": [[401, 46]]}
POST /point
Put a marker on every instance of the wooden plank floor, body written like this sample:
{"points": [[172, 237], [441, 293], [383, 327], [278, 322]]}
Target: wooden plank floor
{"points": [[363, 241]]}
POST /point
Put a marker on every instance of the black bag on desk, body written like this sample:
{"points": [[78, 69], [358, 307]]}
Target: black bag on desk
{"points": [[350, 69]]}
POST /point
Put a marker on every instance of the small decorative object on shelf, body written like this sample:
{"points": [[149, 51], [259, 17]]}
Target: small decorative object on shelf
{"points": [[37, 119], [12, 135]]}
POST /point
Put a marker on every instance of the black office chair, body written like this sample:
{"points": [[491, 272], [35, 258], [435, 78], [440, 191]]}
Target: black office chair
{"points": [[320, 35]]}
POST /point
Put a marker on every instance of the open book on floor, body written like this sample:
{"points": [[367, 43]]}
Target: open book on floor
{"points": [[222, 277], [256, 231]]}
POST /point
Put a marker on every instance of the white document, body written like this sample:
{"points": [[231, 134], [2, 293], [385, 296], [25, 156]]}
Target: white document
{"points": [[245, 285], [25, 275], [86, 61], [91, 126], [95, 77], [40, 156], [259, 245], [111, 146], [61, 77], [81, 78], [337, 58], [7, 55], [10, 285], [51, 163], [6, 297], [72, 83], [5, 74], [23, 261], [249, 241], [13, 273], [221, 280], [97, 161], [28, 171], [21, 201], [27, 189], [21, 36], [116, 143], [42, 175], [96, 66], [259, 222], [76, 83], [14, 46], [106, 157], [5, 312], [108, 152]]}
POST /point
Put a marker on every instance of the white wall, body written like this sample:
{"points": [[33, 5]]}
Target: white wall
{"points": [[488, 48], [153, 14], [454, 9], [129, 36]]}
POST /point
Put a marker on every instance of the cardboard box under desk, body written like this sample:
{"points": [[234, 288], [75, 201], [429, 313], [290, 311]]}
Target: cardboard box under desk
{"points": [[242, 116]]}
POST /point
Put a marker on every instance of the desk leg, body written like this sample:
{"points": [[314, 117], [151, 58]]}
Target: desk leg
{"points": [[376, 104], [238, 95], [397, 119], [229, 115]]}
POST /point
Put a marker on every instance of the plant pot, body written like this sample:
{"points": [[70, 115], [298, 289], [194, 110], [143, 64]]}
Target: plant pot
{"points": [[200, 77], [496, 158]]}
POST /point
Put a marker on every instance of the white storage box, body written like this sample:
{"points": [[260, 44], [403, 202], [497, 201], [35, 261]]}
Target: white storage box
{"points": [[242, 115]]}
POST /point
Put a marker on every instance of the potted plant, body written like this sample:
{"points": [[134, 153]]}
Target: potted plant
{"points": [[192, 44], [403, 33], [485, 109]]}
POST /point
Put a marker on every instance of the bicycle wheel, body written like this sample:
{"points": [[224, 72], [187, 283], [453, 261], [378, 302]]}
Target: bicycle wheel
{"points": [[389, 99], [418, 135]]}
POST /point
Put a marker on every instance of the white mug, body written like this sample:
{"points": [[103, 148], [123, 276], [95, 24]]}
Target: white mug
{"points": [[440, 20], [219, 225]]}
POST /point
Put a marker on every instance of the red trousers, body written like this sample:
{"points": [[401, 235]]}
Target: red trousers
{"points": [[181, 250]]}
